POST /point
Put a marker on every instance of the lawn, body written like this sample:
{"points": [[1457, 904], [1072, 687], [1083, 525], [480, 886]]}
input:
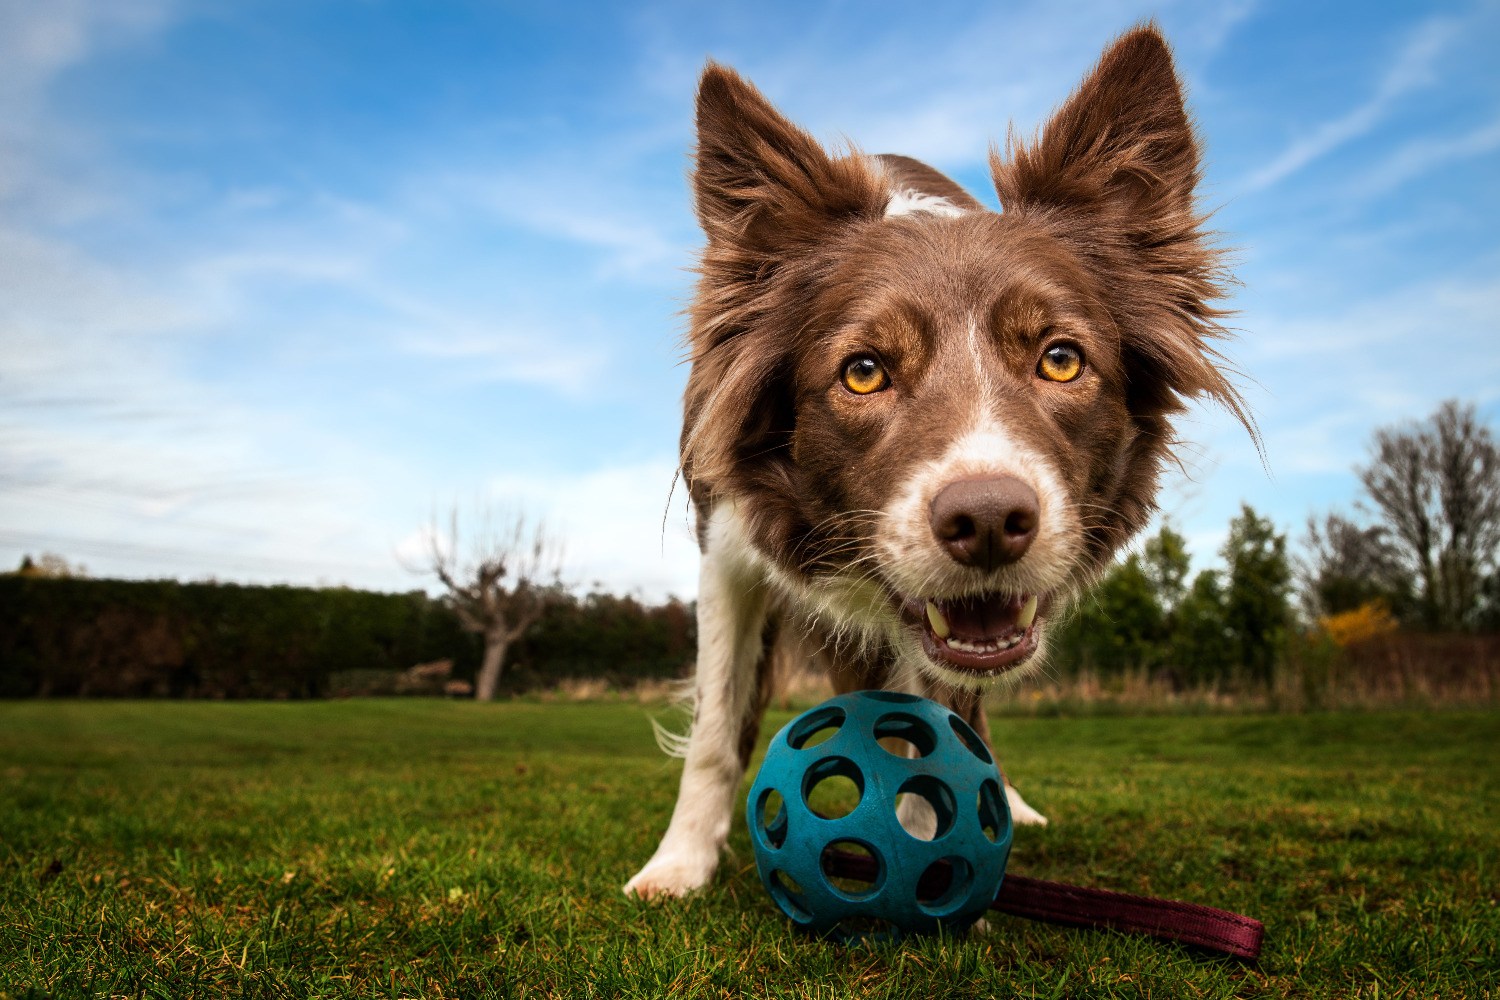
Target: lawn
{"points": [[427, 848]]}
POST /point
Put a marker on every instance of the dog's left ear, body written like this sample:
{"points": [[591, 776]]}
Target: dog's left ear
{"points": [[1113, 176], [1121, 146]]}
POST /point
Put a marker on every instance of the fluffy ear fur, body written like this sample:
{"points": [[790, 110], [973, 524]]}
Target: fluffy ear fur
{"points": [[1113, 175], [761, 182], [767, 194]]}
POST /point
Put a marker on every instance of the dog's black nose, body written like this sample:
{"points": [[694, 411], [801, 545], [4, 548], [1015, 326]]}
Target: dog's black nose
{"points": [[985, 522]]}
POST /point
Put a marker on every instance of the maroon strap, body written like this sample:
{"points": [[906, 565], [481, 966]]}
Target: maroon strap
{"points": [[1200, 926]]}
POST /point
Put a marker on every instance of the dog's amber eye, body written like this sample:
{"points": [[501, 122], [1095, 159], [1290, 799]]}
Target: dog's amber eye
{"points": [[864, 375], [1060, 363]]}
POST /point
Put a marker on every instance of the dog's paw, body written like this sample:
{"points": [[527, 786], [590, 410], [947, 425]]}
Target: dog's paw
{"points": [[672, 875], [1022, 814]]}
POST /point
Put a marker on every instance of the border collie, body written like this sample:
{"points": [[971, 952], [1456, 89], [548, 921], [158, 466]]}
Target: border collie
{"points": [[915, 430]]}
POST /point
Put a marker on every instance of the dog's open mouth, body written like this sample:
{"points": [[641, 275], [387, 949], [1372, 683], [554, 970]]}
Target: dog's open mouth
{"points": [[988, 634]]}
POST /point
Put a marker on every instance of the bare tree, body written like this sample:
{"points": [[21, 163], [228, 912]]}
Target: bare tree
{"points": [[1347, 565], [511, 574], [1437, 486]]}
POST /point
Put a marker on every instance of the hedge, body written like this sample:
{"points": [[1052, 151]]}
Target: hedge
{"points": [[122, 638]]}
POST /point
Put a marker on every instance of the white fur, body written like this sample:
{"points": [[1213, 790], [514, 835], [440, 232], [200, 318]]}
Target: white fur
{"points": [[731, 616], [1020, 813], [908, 202]]}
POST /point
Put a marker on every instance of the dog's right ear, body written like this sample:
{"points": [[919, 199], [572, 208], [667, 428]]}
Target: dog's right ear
{"points": [[761, 182]]}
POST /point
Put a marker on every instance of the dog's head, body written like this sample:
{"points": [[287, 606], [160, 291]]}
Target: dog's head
{"points": [[951, 416]]}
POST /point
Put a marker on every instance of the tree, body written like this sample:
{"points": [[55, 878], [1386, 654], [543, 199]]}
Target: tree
{"points": [[1166, 562], [1120, 626], [1437, 487], [499, 592], [1348, 567], [1202, 650], [1257, 606]]}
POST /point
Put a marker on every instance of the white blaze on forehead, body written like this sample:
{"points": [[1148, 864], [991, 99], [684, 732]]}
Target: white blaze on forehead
{"points": [[909, 202]]}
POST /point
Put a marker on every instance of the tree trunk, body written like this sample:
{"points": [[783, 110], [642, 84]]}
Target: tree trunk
{"points": [[489, 668]]}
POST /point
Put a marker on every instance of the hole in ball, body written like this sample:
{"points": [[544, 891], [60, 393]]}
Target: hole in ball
{"points": [[994, 814], [788, 883], [970, 739], [905, 735], [832, 787], [898, 697], [818, 726], [944, 884], [789, 896], [771, 819], [925, 807], [852, 869]]}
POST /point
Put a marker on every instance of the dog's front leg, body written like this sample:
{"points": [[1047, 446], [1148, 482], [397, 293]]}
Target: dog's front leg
{"points": [[731, 619]]}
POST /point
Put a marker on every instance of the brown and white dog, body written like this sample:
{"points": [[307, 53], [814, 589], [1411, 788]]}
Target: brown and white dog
{"points": [[915, 429]]}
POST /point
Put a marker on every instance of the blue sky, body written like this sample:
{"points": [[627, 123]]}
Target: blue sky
{"points": [[278, 279]]}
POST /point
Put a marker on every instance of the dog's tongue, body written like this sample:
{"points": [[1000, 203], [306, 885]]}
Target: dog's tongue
{"points": [[981, 618]]}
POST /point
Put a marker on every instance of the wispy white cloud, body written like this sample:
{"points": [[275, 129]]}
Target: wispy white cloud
{"points": [[613, 214], [1425, 154], [938, 88], [507, 353], [1202, 30], [135, 468], [40, 40], [1411, 69], [1406, 322], [48, 168], [1330, 372]]}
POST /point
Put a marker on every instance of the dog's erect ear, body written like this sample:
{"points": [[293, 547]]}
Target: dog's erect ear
{"points": [[1121, 144], [760, 179], [1113, 175]]}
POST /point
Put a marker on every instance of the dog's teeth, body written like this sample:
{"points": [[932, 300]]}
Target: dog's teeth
{"points": [[937, 621], [1028, 613], [986, 646]]}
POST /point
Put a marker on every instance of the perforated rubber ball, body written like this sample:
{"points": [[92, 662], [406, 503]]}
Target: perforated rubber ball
{"points": [[837, 847]]}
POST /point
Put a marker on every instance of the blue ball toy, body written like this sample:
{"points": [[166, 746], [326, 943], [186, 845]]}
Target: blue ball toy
{"points": [[829, 845]]}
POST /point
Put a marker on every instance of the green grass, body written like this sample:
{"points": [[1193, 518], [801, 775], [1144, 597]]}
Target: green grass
{"points": [[423, 848]]}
